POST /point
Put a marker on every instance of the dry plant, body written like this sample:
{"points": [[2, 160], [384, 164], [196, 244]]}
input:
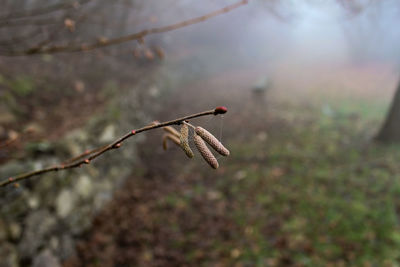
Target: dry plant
{"points": [[181, 139], [200, 137], [184, 141]]}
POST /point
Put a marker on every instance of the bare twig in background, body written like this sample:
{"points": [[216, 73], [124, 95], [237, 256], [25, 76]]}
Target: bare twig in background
{"points": [[13, 137], [43, 10], [114, 41], [88, 156]]}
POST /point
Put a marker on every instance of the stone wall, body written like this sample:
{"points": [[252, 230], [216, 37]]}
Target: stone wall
{"points": [[40, 220]]}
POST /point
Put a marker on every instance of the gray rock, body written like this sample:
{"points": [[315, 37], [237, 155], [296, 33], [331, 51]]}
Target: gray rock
{"points": [[33, 128], [45, 238], [7, 117], [66, 247], [154, 91], [84, 186], [73, 141], [80, 220], [38, 227], [108, 134], [46, 259], [8, 255], [65, 202], [14, 167], [14, 230], [79, 135], [16, 199], [101, 199], [54, 243], [2, 132], [3, 231], [33, 202], [38, 147]]}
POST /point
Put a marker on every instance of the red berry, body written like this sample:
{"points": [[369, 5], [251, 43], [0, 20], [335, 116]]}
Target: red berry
{"points": [[133, 132]]}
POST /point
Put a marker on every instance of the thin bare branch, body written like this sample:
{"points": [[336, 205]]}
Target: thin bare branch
{"points": [[119, 40], [31, 22], [88, 156], [43, 10], [13, 40]]}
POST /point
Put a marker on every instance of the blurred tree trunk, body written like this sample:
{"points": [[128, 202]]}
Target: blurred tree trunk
{"points": [[390, 131]]}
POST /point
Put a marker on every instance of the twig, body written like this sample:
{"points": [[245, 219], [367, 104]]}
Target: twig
{"points": [[43, 10], [8, 142], [83, 155], [136, 36], [91, 155]]}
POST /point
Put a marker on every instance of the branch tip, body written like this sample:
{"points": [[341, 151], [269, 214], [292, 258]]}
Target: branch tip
{"points": [[220, 110], [80, 160]]}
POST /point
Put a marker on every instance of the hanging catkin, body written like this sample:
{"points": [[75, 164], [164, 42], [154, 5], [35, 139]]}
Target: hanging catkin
{"points": [[154, 123], [172, 131], [173, 138], [212, 141], [205, 152], [184, 141]]}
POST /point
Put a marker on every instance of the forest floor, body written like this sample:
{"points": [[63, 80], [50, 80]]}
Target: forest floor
{"points": [[305, 185], [26, 124]]}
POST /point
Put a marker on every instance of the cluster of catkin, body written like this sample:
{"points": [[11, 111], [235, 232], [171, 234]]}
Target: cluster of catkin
{"points": [[200, 137]]}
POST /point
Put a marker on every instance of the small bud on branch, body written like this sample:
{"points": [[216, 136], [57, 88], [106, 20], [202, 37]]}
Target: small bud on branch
{"points": [[88, 156], [220, 110], [118, 145]]}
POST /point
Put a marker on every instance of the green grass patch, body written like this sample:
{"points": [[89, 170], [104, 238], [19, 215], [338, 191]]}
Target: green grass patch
{"points": [[321, 194]]}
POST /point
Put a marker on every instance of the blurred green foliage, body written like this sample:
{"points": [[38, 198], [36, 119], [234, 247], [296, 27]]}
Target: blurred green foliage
{"points": [[22, 85], [315, 193], [18, 87]]}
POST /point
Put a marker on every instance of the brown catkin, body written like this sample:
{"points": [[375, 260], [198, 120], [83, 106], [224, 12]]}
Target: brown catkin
{"points": [[212, 141], [172, 131], [205, 152], [172, 138], [154, 123], [184, 141]]}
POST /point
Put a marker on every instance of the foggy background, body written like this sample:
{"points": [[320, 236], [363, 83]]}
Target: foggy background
{"points": [[307, 85], [326, 46]]}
